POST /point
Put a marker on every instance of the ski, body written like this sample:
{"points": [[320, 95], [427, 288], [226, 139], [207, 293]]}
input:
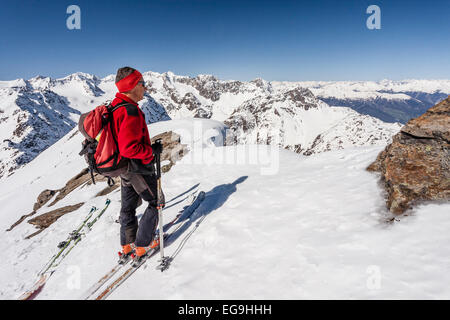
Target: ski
{"points": [[182, 218], [36, 289], [74, 235], [97, 285], [65, 248]]}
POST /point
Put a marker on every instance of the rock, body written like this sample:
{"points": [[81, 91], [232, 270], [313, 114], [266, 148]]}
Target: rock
{"points": [[109, 189], [416, 165], [72, 184], [173, 150], [43, 221], [15, 224], [43, 198]]}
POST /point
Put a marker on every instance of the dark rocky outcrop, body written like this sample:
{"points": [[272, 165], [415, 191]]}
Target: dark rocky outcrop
{"points": [[416, 166], [173, 150], [45, 220]]}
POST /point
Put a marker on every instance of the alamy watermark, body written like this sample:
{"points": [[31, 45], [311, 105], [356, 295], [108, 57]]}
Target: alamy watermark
{"points": [[374, 20], [207, 147], [73, 281], [73, 22], [374, 280]]}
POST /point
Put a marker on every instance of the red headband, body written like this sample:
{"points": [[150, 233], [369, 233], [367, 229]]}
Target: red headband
{"points": [[129, 82]]}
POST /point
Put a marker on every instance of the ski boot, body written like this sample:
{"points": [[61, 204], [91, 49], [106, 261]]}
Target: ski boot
{"points": [[126, 254], [141, 253]]}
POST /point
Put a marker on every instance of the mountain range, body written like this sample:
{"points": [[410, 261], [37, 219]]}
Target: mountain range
{"points": [[305, 117], [387, 100]]}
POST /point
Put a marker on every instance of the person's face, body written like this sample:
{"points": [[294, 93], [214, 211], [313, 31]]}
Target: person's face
{"points": [[140, 89]]}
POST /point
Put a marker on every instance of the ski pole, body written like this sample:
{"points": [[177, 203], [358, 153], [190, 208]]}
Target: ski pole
{"points": [[164, 260], [159, 207]]}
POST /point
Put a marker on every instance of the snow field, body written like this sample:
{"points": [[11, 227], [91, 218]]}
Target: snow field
{"points": [[314, 230]]}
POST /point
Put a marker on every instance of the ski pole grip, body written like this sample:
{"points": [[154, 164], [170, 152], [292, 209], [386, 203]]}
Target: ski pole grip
{"points": [[158, 161]]}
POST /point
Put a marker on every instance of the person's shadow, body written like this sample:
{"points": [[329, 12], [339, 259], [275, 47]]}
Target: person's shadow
{"points": [[214, 199], [185, 194]]}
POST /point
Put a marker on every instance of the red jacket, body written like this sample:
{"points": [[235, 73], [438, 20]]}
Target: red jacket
{"points": [[131, 130]]}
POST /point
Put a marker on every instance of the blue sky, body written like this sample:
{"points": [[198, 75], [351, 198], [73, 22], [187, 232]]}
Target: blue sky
{"points": [[274, 40]]}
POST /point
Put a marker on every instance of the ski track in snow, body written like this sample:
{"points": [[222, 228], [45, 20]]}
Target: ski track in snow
{"points": [[315, 230]]}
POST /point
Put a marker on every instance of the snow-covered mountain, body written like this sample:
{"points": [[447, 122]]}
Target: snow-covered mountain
{"points": [[387, 100], [35, 113], [31, 120], [296, 120]]}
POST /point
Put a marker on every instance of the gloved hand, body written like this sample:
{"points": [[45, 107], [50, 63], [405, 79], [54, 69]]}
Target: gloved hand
{"points": [[157, 147], [162, 199]]}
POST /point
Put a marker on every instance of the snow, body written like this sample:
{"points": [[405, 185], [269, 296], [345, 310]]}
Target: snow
{"points": [[315, 228], [386, 89], [228, 103], [194, 132], [18, 83]]}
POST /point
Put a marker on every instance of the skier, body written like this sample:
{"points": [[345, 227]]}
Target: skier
{"points": [[139, 181]]}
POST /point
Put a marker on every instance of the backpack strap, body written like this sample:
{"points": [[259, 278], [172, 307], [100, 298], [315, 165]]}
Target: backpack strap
{"points": [[117, 106], [115, 156]]}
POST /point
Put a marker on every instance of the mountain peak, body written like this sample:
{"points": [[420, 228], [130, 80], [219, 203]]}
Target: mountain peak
{"points": [[80, 76]]}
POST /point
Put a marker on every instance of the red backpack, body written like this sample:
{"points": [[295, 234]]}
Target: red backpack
{"points": [[100, 148]]}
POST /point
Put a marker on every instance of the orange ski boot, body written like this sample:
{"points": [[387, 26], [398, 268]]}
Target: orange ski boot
{"points": [[127, 252], [141, 252]]}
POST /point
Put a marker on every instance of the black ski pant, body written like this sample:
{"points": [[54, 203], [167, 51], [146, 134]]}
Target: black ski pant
{"points": [[133, 187]]}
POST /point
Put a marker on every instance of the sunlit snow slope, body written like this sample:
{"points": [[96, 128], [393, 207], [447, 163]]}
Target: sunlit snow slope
{"points": [[310, 227]]}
